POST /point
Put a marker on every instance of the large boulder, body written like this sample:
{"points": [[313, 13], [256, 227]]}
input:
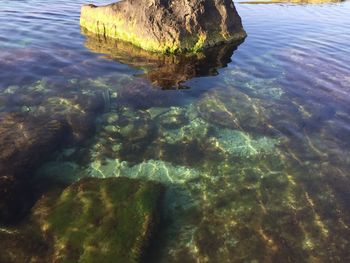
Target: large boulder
{"points": [[167, 26]]}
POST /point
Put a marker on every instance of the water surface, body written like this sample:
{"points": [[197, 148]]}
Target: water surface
{"points": [[251, 141]]}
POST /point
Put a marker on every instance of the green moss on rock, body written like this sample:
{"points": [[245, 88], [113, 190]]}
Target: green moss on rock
{"points": [[167, 26], [100, 220]]}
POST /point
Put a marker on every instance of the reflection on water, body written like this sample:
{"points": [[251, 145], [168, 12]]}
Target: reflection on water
{"points": [[255, 159], [165, 71]]}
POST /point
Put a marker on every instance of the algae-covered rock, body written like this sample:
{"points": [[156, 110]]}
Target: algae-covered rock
{"points": [[100, 220], [166, 26]]}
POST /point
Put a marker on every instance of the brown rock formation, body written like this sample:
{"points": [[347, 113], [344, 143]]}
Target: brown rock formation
{"points": [[167, 26]]}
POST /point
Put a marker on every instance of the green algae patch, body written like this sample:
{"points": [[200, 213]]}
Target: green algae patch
{"points": [[100, 220]]}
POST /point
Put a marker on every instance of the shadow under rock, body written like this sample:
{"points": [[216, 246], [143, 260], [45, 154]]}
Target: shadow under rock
{"points": [[163, 70]]}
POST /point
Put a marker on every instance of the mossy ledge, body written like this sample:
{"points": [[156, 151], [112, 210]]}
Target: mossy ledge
{"points": [[166, 26]]}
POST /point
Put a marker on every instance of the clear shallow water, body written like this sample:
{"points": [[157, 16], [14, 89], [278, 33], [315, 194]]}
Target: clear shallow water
{"points": [[252, 143]]}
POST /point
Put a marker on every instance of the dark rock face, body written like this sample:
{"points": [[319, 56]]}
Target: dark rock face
{"points": [[25, 142], [167, 26]]}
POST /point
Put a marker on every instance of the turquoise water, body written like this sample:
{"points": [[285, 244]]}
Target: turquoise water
{"points": [[252, 141]]}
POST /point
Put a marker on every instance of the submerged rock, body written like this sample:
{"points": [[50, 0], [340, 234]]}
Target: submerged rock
{"points": [[100, 220], [93, 220], [25, 140], [166, 26], [232, 109], [25, 143], [24, 244], [235, 143]]}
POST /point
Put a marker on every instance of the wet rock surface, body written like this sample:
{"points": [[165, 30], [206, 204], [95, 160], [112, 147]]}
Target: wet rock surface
{"points": [[166, 26]]}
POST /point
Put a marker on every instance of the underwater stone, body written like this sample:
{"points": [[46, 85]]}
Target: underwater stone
{"points": [[131, 130], [194, 131], [234, 109], [25, 140], [25, 143], [100, 220], [239, 144], [22, 244], [173, 118], [78, 111], [166, 26], [154, 170], [112, 117]]}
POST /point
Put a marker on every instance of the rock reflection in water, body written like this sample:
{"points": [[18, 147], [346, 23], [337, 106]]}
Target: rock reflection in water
{"points": [[165, 71]]}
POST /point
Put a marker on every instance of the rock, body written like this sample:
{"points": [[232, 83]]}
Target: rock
{"points": [[291, 2], [120, 135], [13, 198], [77, 106], [100, 220], [233, 109], [166, 26], [77, 110], [93, 220], [25, 143], [236, 143], [174, 118], [25, 244], [151, 170]]}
